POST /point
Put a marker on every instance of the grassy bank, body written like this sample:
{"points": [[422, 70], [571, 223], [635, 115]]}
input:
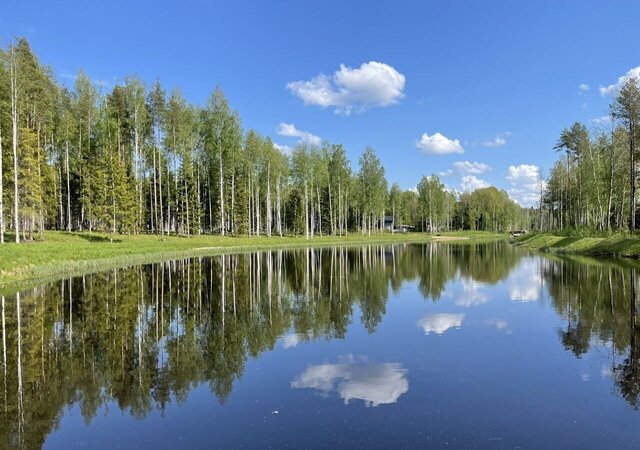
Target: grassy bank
{"points": [[618, 246], [63, 254]]}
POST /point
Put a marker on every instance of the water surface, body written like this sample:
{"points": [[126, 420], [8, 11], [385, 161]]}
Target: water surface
{"points": [[456, 345]]}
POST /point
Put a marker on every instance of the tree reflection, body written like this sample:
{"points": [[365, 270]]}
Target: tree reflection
{"points": [[627, 374], [599, 303], [143, 337]]}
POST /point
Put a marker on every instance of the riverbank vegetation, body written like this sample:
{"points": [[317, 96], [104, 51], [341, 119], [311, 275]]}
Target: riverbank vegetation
{"points": [[624, 246], [593, 185], [588, 203], [64, 253], [142, 160]]}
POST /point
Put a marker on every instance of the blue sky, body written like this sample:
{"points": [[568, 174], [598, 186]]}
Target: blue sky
{"points": [[502, 78]]}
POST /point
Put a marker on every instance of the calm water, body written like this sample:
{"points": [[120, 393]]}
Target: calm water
{"points": [[456, 345]]}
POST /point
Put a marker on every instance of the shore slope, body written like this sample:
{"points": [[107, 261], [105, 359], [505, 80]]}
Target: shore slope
{"points": [[65, 254]]}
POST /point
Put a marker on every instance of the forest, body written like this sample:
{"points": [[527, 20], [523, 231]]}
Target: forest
{"points": [[593, 185], [141, 159]]}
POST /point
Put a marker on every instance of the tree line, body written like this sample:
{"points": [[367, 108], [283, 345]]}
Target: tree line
{"points": [[593, 184], [139, 159]]}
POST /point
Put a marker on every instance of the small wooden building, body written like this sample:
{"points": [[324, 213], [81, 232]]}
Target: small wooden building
{"points": [[396, 228]]}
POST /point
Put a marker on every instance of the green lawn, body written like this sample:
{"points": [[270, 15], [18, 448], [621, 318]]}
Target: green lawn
{"points": [[626, 246], [63, 253]]}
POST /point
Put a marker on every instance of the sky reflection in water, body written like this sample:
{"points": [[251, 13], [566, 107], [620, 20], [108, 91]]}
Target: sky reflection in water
{"points": [[460, 345]]}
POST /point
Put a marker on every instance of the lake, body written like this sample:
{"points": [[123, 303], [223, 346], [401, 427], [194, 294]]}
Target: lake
{"points": [[457, 345]]}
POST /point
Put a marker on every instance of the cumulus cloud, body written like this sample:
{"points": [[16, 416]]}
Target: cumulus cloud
{"points": [[583, 87], [290, 130], [437, 144], [356, 378], [284, 149], [498, 141], [440, 323], [471, 183], [373, 84], [613, 88], [469, 167], [525, 184]]}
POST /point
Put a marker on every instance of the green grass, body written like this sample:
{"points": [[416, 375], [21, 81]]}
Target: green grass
{"points": [[64, 254], [618, 246]]}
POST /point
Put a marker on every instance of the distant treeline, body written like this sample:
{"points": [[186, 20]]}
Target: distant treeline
{"points": [[593, 185], [141, 160]]}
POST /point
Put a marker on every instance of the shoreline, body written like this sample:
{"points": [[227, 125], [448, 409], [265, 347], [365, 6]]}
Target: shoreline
{"points": [[611, 247], [65, 254]]}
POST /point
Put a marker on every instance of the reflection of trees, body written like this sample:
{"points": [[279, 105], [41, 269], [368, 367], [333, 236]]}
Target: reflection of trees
{"points": [[598, 302], [627, 374], [145, 336]]}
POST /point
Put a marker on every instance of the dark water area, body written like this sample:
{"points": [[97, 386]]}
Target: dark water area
{"points": [[401, 346]]}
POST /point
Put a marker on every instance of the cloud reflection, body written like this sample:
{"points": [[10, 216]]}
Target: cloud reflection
{"points": [[471, 293], [356, 378], [498, 324], [525, 281], [290, 340], [440, 323]]}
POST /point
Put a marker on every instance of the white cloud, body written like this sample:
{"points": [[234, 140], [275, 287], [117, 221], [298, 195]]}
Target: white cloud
{"points": [[469, 167], [284, 149], [498, 141], [356, 378], [471, 183], [440, 323], [290, 130], [437, 144], [525, 183], [348, 89], [604, 121], [446, 173], [613, 88], [583, 87]]}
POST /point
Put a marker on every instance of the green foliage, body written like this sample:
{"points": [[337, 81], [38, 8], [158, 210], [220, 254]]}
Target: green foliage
{"points": [[139, 160]]}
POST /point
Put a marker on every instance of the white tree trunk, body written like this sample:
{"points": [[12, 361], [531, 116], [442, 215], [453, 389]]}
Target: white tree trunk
{"points": [[278, 207], [14, 122], [221, 196], [66, 168], [269, 212], [306, 211], [1, 204]]}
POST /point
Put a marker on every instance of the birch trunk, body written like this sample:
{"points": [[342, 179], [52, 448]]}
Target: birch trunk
{"points": [[1, 203], [14, 123], [269, 212], [221, 194]]}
